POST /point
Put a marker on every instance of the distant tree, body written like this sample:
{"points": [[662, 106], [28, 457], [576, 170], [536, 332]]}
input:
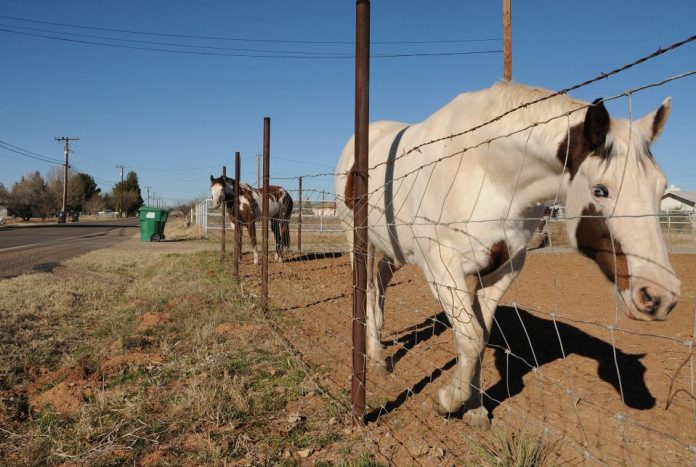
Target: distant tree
{"points": [[129, 192], [4, 195], [54, 189], [81, 187], [29, 197], [94, 204]]}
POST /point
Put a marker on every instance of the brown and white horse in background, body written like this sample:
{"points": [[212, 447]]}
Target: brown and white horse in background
{"points": [[279, 211], [466, 205]]}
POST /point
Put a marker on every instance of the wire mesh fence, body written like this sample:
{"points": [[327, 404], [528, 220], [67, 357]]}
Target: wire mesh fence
{"points": [[459, 335]]}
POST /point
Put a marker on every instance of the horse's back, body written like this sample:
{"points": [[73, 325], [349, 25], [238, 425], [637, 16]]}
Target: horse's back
{"points": [[379, 132]]}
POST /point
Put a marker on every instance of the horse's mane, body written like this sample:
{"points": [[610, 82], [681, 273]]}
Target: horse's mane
{"points": [[505, 96]]}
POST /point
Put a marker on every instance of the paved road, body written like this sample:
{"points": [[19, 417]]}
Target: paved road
{"points": [[42, 248]]}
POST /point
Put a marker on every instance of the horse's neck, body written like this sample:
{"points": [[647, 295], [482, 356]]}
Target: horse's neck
{"points": [[526, 163]]}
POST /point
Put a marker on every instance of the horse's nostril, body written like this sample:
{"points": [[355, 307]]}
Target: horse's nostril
{"points": [[651, 304], [645, 297]]}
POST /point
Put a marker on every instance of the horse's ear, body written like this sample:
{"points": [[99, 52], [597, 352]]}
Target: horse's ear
{"points": [[596, 124], [653, 123], [212, 179]]}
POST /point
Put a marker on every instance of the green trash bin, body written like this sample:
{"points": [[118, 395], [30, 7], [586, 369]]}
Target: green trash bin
{"points": [[152, 221]]}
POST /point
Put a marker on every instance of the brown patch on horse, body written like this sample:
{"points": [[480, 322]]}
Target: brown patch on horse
{"points": [[595, 241], [246, 210], [499, 254], [350, 190], [586, 138]]}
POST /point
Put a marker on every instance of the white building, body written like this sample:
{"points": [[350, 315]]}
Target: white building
{"points": [[675, 199]]}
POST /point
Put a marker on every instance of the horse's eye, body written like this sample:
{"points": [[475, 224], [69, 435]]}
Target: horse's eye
{"points": [[600, 191]]}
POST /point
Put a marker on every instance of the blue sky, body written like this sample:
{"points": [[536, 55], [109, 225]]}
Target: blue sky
{"points": [[176, 118]]}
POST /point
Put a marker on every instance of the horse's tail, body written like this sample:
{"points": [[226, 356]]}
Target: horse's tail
{"points": [[286, 212], [280, 224]]}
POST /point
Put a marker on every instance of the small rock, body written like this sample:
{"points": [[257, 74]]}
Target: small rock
{"points": [[286, 454], [305, 453], [332, 421], [417, 447], [437, 452], [311, 394], [296, 418]]}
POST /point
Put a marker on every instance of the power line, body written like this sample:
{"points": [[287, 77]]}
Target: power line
{"points": [[242, 39], [173, 44], [26, 153], [250, 55]]}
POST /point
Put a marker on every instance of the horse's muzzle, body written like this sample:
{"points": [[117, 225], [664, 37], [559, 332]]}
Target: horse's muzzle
{"points": [[652, 302]]}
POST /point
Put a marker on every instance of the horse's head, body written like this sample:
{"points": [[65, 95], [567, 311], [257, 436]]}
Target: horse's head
{"points": [[613, 203], [217, 191]]}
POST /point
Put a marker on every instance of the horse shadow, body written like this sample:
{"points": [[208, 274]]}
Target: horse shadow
{"points": [[514, 329], [313, 256]]}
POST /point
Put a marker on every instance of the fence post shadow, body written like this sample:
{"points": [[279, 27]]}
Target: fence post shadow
{"points": [[521, 359]]}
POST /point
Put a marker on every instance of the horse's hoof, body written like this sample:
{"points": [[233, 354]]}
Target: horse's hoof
{"points": [[439, 409], [380, 369], [477, 418], [444, 403]]}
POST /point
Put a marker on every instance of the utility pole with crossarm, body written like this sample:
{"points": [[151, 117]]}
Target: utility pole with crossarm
{"points": [[66, 150]]}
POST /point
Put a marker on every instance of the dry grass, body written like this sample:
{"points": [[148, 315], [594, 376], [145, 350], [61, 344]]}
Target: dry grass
{"points": [[147, 354], [504, 448]]}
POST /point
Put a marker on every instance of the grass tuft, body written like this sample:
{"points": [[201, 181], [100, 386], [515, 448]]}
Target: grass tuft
{"points": [[517, 449]]}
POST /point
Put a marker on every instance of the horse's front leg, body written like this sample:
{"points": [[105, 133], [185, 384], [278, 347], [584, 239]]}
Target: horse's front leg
{"points": [[376, 291], [489, 291], [251, 228], [471, 322]]}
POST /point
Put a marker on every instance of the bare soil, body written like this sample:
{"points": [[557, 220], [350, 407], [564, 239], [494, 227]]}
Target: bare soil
{"points": [[563, 361]]}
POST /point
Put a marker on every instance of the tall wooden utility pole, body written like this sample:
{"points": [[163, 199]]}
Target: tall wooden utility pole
{"points": [[507, 39], [66, 151], [120, 193]]}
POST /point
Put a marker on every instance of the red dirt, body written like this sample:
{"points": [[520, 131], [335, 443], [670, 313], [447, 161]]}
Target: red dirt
{"points": [[235, 330], [130, 360], [577, 398], [152, 319], [63, 390]]}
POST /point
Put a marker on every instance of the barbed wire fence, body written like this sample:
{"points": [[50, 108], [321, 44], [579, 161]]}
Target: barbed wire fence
{"points": [[583, 384]]}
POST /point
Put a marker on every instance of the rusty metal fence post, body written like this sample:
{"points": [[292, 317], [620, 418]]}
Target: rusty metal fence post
{"points": [[359, 180], [264, 212], [224, 213], [235, 213], [299, 219]]}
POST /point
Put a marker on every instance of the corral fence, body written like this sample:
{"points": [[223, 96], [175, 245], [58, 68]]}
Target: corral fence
{"points": [[560, 364], [318, 216]]}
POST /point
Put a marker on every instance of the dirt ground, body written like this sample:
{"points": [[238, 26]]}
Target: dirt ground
{"points": [[564, 362]]}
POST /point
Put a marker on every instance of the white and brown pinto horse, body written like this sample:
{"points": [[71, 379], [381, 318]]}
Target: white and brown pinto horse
{"points": [[466, 205], [279, 211]]}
